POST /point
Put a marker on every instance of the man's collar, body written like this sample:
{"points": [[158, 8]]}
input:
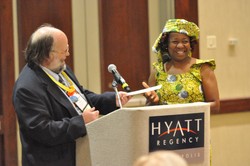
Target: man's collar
{"points": [[50, 72]]}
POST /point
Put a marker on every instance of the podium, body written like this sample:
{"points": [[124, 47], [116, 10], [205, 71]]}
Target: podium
{"points": [[119, 138]]}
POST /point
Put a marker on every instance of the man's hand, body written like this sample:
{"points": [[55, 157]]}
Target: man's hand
{"points": [[123, 97], [90, 115]]}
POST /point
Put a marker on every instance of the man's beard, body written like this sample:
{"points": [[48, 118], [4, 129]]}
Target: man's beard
{"points": [[60, 69]]}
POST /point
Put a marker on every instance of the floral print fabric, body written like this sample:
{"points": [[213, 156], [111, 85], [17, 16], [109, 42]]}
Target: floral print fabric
{"points": [[181, 88]]}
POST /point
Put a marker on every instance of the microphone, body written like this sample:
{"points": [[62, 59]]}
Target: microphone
{"points": [[118, 77]]}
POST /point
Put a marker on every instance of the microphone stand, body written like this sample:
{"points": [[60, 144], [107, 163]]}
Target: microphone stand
{"points": [[114, 85]]}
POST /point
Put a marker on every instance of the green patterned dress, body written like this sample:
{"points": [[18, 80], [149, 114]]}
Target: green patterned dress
{"points": [[181, 88]]}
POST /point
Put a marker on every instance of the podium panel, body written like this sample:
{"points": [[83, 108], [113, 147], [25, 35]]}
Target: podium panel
{"points": [[122, 136]]}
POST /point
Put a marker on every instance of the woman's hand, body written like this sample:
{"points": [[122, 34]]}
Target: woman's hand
{"points": [[152, 97]]}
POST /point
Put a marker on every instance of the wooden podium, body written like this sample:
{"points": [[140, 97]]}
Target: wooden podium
{"points": [[119, 138]]}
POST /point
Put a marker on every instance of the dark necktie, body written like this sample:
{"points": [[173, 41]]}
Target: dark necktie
{"points": [[61, 80]]}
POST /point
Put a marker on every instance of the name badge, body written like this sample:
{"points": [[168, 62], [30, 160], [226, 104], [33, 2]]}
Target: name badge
{"points": [[80, 102]]}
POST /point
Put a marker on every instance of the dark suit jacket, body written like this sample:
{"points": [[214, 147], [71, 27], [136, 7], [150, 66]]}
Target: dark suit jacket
{"points": [[49, 124]]}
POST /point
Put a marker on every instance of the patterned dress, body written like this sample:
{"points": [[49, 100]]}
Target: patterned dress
{"points": [[181, 88]]}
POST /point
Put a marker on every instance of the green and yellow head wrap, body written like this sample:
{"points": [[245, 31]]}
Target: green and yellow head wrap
{"points": [[180, 26]]}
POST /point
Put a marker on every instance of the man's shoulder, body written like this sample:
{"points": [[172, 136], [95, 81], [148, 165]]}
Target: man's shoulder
{"points": [[29, 78]]}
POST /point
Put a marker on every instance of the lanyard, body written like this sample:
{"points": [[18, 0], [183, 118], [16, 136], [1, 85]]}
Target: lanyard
{"points": [[70, 90]]}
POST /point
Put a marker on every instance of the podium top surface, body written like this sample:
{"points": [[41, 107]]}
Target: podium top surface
{"points": [[197, 104]]}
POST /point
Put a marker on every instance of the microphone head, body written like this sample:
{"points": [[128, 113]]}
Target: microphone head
{"points": [[111, 67]]}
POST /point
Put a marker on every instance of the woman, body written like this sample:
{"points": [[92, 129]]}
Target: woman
{"points": [[184, 79]]}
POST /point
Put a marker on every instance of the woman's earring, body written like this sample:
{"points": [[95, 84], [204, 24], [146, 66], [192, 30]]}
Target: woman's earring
{"points": [[165, 57], [190, 54]]}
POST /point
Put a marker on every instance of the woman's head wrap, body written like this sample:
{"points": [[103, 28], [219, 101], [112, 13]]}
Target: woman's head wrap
{"points": [[180, 26]]}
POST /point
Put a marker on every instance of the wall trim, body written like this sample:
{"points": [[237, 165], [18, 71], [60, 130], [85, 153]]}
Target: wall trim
{"points": [[234, 105]]}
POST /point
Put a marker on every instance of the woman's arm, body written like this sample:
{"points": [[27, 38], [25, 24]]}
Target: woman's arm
{"points": [[210, 87]]}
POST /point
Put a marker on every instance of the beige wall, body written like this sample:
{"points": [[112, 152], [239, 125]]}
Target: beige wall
{"points": [[230, 139], [227, 19], [86, 45], [224, 19]]}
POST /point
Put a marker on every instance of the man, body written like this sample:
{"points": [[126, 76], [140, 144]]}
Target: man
{"points": [[51, 106]]}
